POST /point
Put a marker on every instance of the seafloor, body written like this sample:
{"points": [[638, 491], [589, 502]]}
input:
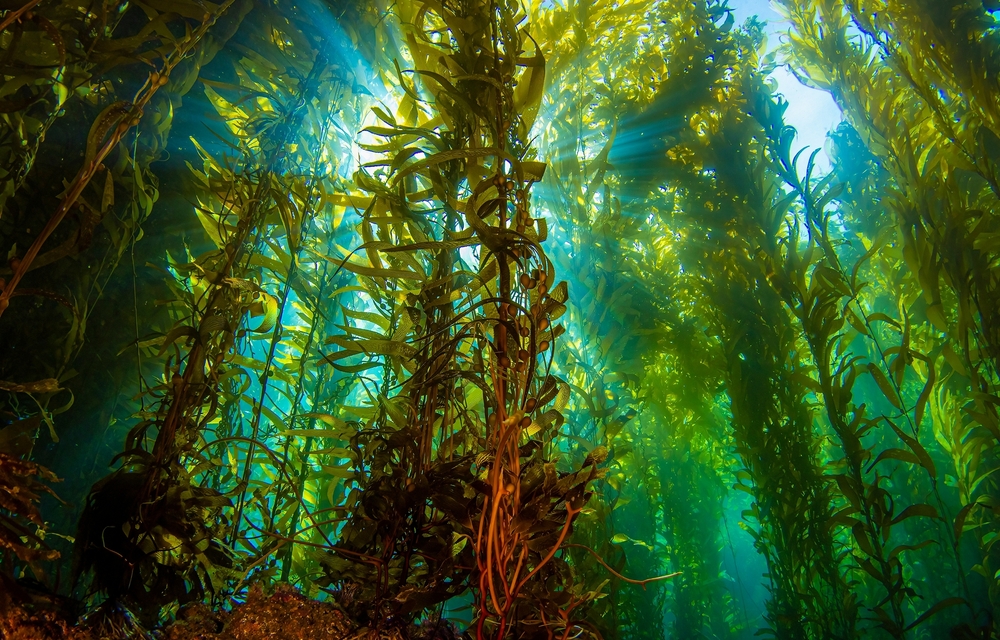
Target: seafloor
{"points": [[284, 614]]}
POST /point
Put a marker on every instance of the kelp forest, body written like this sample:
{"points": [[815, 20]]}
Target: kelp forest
{"points": [[498, 319]]}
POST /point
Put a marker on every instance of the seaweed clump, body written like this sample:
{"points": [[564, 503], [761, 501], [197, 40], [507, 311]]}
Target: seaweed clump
{"points": [[285, 614]]}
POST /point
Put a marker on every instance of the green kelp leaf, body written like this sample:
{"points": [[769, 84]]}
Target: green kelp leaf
{"points": [[909, 547], [925, 459], [885, 386], [953, 360], [925, 393], [621, 538], [335, 452], [312, 433], [856, 322], [937, 608], [861, 536], [17, 438], [895, 454], [917, 510], [846, 487], [963, 514], [108, 196]]}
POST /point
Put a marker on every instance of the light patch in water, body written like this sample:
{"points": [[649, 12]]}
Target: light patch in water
{"points": [[813, 113]]}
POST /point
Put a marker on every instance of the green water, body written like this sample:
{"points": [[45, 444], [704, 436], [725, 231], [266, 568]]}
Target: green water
{"points": [[540, 317]]}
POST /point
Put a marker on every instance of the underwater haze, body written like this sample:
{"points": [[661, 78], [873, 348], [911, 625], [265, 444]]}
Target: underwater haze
{"points": [[500, 319]]}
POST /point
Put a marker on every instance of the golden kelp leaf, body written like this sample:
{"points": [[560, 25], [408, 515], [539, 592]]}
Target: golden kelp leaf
{"points": [[108, 197], [396, 409], [529, 91], [403, 327], [372, 272], [290, 219], [105, 122], [532, 429], [338, 472], [175, 334], [483, 459], [440, 245], [266, 306], [46, 385], [596, 456], [333, 421], [376, 319], [444, 156], [374, 347], [560, 293], [211, 324], [216, 230], [533, 171], [562, 397], [185, 8]]}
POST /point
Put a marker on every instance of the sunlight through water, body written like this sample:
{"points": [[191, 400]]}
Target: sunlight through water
{"points": [[812, 112]]}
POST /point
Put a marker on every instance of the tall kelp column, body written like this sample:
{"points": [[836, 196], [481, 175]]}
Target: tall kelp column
{"points": [[500, 313], [372, 422]]}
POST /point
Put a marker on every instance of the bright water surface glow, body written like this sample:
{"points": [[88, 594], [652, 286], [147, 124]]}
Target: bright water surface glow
{"points": [[813, 113]]}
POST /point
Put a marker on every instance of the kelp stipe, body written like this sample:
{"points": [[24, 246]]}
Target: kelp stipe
{"points": [[938, 183], [460, 422], [619, 321], [169, 535]]}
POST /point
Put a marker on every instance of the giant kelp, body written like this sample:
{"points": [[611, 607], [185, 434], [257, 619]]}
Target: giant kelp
{"points": [[499, 312]]}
